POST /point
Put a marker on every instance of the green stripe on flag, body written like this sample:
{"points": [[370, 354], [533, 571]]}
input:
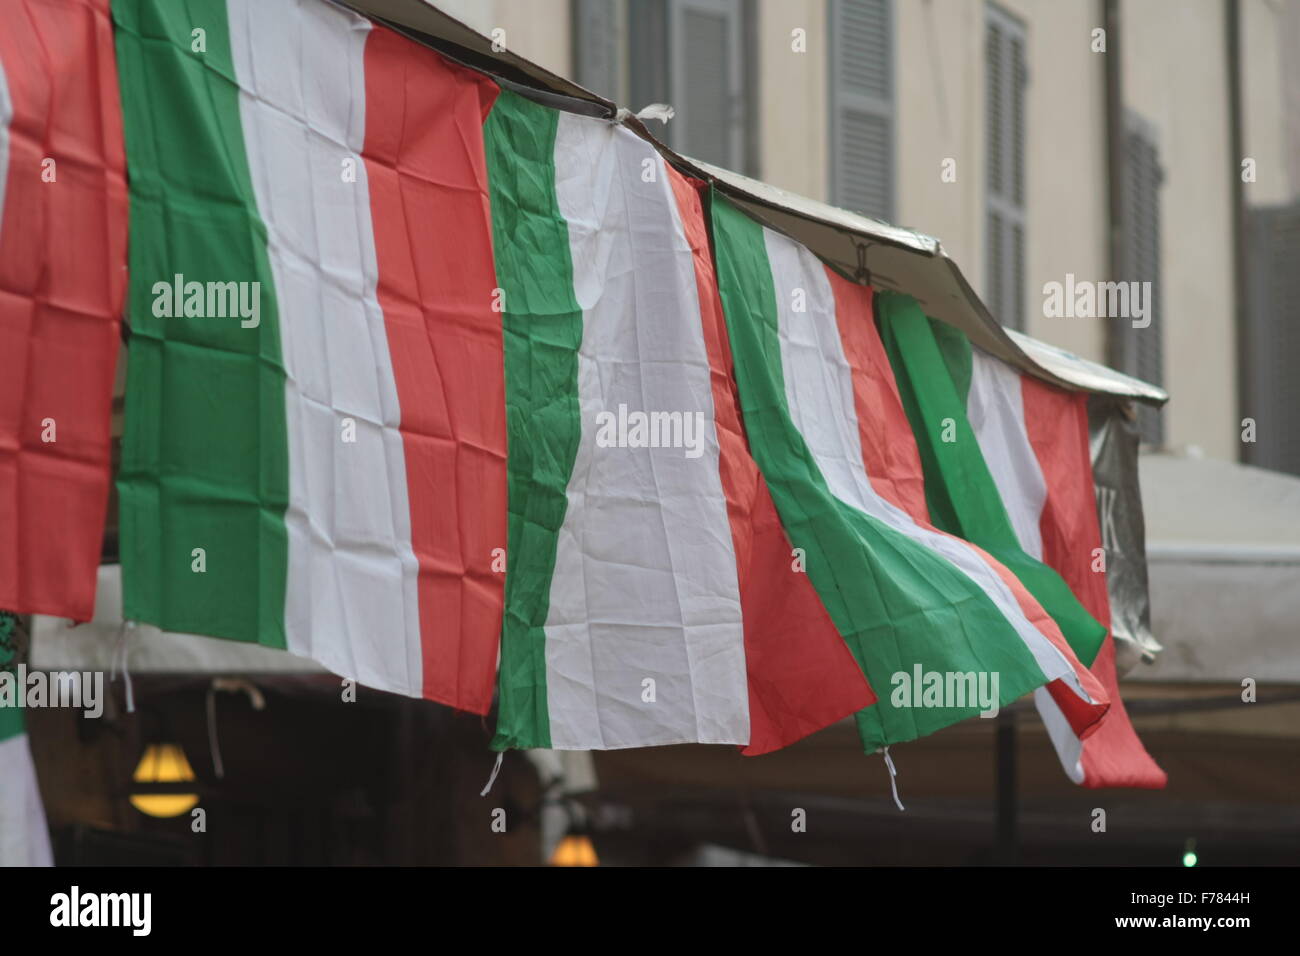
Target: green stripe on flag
{"points": [[959, 489], [205, 449], [897, 604], [11, 719], [543, 330], [955, 349]]}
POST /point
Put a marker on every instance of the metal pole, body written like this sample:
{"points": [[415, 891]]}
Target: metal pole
{"points": [[1007, 847], [1236, 150], [1116, 355]]}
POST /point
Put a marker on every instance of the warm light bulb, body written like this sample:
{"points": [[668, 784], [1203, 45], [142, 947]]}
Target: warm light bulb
{"points": [[163, 763], [575, 850]]}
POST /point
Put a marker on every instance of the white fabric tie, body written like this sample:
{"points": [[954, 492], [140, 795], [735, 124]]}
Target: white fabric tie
{"points": [[893, 774], [122, 651], [496, 769]]}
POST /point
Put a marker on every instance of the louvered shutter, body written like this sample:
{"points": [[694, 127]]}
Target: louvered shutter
{"points": [[1006, 76], [1141, 351], [862, 106], [1269, 367], [705, 79], [597, 46], [647, 42]]}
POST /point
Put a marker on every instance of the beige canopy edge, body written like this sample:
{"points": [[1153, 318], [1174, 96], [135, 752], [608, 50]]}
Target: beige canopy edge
{"points": [[894, 258]]}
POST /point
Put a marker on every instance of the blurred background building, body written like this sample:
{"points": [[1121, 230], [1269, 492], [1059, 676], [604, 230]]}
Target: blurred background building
{"points": [[1042, 141]]}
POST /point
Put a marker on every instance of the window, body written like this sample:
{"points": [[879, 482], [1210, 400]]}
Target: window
{"points": [[862, 106], [1006, 76], [1140, 352], [691, 54], [598, 29], [1272, 388]]}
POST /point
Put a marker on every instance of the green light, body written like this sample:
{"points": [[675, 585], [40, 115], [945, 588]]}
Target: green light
{"points": [[1189, 859]]}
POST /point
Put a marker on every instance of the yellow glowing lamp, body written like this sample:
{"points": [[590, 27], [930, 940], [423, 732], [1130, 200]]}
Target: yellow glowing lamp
{"points": [[576, 849], [164, 763]]}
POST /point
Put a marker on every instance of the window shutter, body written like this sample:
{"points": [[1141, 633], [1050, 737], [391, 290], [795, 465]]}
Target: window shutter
{"points": [[647, 42], [597, 46], [1006, 75], [862, 106], [1273, 336], [1142, 350], [706, 70]]}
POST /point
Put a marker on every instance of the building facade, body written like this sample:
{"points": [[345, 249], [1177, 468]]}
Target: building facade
{"points": [[1052, 146]]}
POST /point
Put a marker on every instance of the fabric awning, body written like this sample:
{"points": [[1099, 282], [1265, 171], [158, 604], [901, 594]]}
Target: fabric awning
{"points": [[1223, 548]]}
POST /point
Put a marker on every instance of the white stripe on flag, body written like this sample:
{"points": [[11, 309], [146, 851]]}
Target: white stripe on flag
{"points": [[6, 118], [24, 837], [819, 392], [352, 598], [996, 409], [645, 580]]}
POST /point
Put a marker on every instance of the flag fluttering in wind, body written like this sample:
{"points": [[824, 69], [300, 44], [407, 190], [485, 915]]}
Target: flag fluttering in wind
{"points": [[650, 597], [904, 594], [468, 397], [1016, 478]]}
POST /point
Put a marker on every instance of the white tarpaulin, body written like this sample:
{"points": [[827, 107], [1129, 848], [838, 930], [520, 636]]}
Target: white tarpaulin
{"points": [[98, 644]]}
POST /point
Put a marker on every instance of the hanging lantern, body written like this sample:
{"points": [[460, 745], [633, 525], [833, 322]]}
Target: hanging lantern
{"points": [[163, 764]]}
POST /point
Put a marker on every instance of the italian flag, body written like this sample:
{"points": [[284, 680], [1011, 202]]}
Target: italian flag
{"points": [[401, 464], [828, 430], [330, 476], [24, 838], [1020, 472], [63, 223], [652, 596]]}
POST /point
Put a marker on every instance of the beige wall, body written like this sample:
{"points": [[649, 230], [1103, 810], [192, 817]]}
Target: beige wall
{"points": [[1175, 77], [792, 87], [1066, 199], [536, 29], [939, 110]]}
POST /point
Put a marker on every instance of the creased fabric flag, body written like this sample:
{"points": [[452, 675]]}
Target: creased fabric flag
{"points": [[650, 597], [63, 222], [933, 374], [314, 454], [1034, 439], [830, 437]]}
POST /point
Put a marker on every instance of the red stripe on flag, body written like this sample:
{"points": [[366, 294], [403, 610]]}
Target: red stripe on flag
{"points": [[62, 282], [433, 241], [1057, 424], [893, 464], [889, 449], [802, 676]]}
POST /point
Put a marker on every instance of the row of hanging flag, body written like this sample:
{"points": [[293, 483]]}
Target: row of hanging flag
{"points": [[466, 397]]}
